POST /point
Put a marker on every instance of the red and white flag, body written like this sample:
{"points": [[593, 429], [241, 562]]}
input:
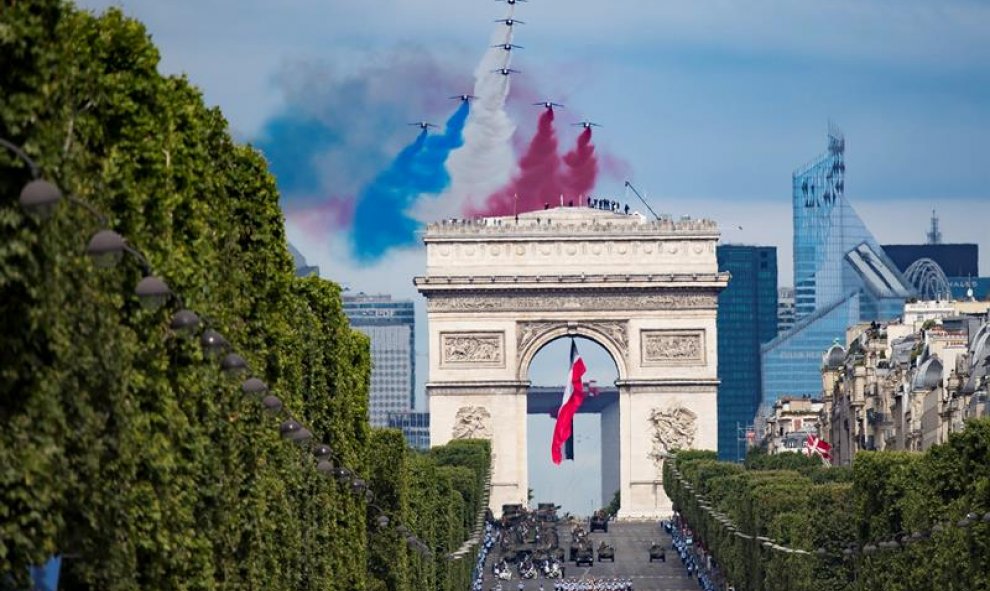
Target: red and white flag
{"points": [[816, 445], [573, 397]]}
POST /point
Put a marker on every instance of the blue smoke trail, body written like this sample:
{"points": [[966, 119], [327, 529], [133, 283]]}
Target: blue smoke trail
{"points": [[380, 220], [290, 142]]}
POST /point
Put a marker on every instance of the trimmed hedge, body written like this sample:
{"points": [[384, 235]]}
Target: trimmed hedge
{"points": [[124, 449], [884, 497]]}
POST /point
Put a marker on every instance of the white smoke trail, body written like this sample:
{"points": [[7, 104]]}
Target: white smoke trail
{"points": [[486, 160]]}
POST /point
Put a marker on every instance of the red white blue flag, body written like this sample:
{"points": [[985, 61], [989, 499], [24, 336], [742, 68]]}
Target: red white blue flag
{"points": [[571, 402]]}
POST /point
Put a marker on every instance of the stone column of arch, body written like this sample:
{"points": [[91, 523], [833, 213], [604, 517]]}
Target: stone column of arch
{"points": [[500, 289]]}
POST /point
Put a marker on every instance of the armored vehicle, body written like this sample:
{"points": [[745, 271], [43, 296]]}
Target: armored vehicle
{"points": [[546, 512], [584, 555], [599, 521]]}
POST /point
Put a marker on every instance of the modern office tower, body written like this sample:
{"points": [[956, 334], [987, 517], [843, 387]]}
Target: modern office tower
{"points": [[955, 260], [841, 277], [415, 427], [785, 309], [391, 326], [747, 318], [935, 269]]}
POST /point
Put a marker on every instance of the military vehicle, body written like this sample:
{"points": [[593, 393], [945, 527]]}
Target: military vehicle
{"points": [[606, 552], [512, 514], [584, 555], [657, 552], [599, 521], [546, 512]]}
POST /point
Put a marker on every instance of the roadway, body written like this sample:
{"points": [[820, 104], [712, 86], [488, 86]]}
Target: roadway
{"points": [[632, 560]]}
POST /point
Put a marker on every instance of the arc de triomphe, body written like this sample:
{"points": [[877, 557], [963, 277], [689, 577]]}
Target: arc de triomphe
{"points": [[499, 289]]}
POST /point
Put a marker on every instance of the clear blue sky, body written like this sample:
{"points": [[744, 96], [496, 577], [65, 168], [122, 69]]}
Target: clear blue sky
{"points": [[707, 106]]}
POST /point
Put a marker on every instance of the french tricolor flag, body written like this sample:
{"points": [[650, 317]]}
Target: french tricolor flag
{"points": [[573, 397]]}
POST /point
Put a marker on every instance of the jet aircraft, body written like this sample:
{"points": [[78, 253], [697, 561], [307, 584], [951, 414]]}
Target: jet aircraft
{"points": [[506, 71], [511, 2], [423, 124], [509, 21], [586, 124], [463, 97], [548, 105], [508, 46]]}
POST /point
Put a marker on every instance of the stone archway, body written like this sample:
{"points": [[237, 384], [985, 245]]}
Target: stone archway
{"points": [[500, 289], [536, 334], [594, 472]]}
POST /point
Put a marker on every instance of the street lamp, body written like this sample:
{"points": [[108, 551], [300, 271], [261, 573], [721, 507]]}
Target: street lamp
{"points": [[233, 364], [153, 292], [39, 198], [213, 342], [184, 322], [255, 387], [342, 474], [105, 248], [325, 467], [272, 404], [300, 436], [322, 451], [287, 428]]}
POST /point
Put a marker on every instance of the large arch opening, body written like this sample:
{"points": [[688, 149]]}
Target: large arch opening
{"points": [[589, 481]]}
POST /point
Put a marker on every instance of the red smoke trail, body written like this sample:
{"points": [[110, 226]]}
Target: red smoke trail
{"points": [[581, 168], [543, 176], [315, 219], [537, 180]]}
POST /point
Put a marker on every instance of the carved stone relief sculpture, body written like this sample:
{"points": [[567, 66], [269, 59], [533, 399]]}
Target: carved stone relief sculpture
{"points": [[552, 301], [673, 428], [472, 422], [529, 331], [476, 349], [613, 330], [673, 347]]}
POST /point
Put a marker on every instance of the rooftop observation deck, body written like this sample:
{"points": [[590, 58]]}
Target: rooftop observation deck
{"points": [[562, 223], [572, 242]]}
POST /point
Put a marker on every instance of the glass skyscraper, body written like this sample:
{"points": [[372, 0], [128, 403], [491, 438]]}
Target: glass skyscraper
{"points": [[747, 318], [391, 326], [415, 427], [841, 277]]}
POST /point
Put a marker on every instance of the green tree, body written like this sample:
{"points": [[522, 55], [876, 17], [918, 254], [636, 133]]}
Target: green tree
{"points": [[123, 448]]}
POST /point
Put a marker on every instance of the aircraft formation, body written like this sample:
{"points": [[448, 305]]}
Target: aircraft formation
{"points": [[507, 71]]}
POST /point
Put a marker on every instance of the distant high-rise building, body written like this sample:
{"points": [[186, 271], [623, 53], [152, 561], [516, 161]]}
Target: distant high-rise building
{"points": [[785, 309], [747, 318], [391, 326], [415, 427], [937, 270], [841, 277]]}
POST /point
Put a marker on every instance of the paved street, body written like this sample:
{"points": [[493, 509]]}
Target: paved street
{"points": [[632, 543]]}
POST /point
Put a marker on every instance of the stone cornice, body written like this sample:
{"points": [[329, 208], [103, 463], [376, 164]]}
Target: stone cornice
{"points": [[619, 228], [477, 388], [674, 384], [548, 299], [591, 281], [490, 387]]}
